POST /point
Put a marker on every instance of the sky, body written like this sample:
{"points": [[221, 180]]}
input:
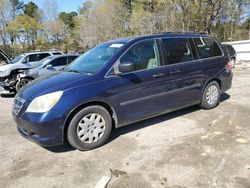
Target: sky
{"points": [[63, 5]]}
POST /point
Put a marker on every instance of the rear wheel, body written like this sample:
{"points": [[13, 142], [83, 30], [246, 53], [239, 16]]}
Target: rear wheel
{"points": [[89, 128], [211, 95], [21, 83]]}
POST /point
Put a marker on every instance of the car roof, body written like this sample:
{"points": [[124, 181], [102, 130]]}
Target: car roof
{"points": [[50, 52], [163, 34], [62, 55]]}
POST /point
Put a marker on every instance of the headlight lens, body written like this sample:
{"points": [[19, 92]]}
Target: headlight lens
{"points": [[44, 103]]}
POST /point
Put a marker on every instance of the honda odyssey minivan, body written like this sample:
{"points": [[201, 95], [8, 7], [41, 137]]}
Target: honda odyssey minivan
{"points": [[120, 82]]}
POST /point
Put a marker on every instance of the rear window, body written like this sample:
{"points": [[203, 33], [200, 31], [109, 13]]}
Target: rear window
{"points": [[207, 47], [60, 61]]}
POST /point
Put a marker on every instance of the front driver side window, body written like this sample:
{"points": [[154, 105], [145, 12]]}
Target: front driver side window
{"points": [[144, 55]]}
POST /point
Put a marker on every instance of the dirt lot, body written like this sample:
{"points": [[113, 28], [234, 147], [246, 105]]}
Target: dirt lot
{"points": [[187, 148]]}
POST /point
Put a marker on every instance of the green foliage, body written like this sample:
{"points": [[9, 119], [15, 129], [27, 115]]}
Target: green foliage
{"points": [[31, 10], [68, 19]]}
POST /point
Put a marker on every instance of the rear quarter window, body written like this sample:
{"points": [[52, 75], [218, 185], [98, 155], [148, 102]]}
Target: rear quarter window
{"points": [[207, 47]]}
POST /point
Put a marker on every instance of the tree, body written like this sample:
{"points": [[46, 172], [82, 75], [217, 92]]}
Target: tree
{"points": [[31, 10], [68, 19]]}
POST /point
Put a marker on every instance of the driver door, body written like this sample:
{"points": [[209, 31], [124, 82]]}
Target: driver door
{"points": [[141, 93]]}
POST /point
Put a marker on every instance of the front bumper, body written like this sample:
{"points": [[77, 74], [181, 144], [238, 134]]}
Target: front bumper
{"points": [[43, 129], [8, 85]]}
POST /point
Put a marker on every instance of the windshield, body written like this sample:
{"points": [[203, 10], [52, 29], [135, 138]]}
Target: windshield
{"points": [[17, 58], [94, 60]]}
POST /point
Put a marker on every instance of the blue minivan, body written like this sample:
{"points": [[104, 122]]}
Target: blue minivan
{"points": [[120, 82]]}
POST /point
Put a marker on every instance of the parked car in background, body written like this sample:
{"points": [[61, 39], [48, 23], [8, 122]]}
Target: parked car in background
{"points": [[4, 59], [48, 65], [231, 53], [9, 72], [120, 82]]}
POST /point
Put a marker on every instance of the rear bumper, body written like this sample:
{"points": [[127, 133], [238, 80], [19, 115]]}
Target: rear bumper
{"points": [[226, 80], [45, 133]]}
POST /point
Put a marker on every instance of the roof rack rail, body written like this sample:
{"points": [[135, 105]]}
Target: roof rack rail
{"points": [[53, 49], [38, 50], [183, 32]]}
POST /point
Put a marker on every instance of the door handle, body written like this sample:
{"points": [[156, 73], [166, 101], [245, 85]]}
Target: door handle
{"points": [[158, 75], [175, 72]]}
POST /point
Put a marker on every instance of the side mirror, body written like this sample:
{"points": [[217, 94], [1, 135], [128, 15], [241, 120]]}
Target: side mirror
{"points": [[125, 67], [25, 61], [49, 66]]}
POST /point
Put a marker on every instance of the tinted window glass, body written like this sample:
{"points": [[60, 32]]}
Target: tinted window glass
{"points": [[42, 56], [72, 58], [207, 47], [143, 54], [33, 58], [176, 50], [194, 51], [61, 61], [56, 53]]}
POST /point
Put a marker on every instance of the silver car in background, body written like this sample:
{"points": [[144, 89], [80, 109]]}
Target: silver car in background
{"points": [[47, 65], [22, 62]]}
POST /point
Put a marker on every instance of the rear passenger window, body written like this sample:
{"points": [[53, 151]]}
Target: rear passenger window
{"points": [[207, 47], [61, 61], [72, 58], [176, 50], [144, 55]]}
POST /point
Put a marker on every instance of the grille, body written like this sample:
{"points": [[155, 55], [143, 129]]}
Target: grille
{"points": [[18, 104]]}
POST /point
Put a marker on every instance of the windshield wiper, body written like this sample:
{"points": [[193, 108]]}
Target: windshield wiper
{"points": [[76, 71], [80, 72]]}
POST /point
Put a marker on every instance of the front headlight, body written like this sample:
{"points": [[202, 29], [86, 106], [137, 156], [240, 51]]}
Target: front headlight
{"points": [[44, 103]]}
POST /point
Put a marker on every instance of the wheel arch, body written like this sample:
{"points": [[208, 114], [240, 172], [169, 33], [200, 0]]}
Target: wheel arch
{"points": [[103, 104], [28, 77], [207, 82]]}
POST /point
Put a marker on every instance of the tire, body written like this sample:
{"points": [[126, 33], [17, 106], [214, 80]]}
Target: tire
{"points": [[212, 99], [89, 128], [21, 83]]}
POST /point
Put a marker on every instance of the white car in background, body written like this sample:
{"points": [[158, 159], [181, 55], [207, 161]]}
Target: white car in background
{"points": [[48, 65], [9, 72]]}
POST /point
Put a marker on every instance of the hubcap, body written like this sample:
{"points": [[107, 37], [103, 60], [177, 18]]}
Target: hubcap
{"points": [[212, 95], [23, 83], [91, 128]]}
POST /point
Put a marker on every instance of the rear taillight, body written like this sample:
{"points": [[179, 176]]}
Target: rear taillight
{"points": [[229, 65]]}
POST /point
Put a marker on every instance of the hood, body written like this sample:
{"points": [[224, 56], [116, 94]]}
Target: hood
{"points": [[6, 69], [58, 81]]}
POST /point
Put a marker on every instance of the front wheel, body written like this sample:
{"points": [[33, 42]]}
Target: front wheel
{"points": [[211, 96], [89, 128], [22, 83]]}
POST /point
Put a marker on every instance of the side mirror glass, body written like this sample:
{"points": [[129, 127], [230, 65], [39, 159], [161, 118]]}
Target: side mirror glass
{"points": [[125, 67]]}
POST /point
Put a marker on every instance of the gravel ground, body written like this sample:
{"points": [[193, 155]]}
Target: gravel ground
{"points": [[187, 148]]}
